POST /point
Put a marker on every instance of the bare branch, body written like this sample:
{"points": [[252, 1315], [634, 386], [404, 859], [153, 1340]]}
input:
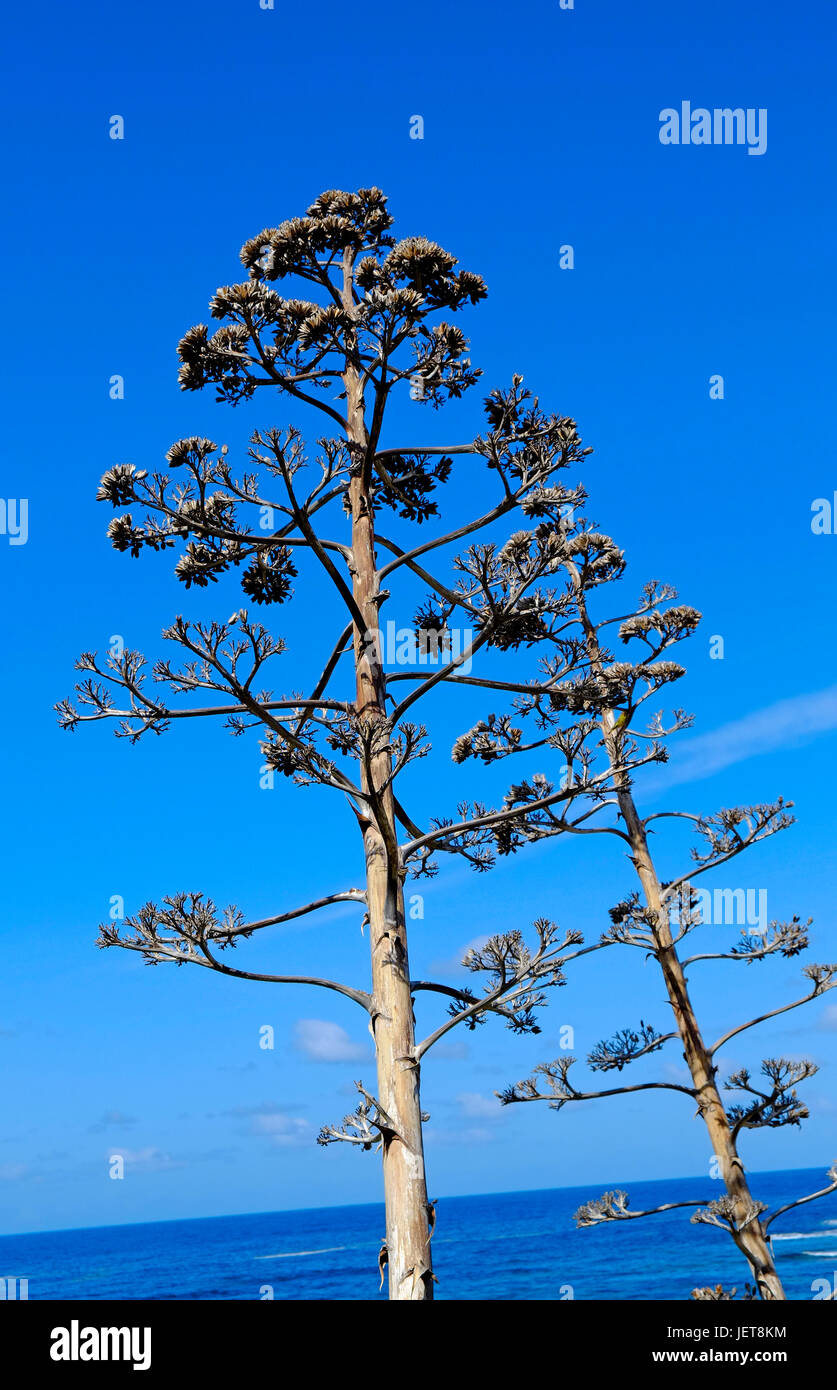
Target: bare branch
{"points": [[822, 977], [812, 1197], [613, 1206]]}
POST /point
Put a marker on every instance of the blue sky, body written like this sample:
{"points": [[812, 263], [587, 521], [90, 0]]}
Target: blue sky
{"points": [[541, 129]]}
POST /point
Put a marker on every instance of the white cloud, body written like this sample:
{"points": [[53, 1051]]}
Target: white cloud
{"points": [[13, 1172], [448, 964], [112, 1119], [478, 1107], [784, 724], [148, 1160], [450, 1052], [269, 1122], [286, 1131], [321, 1041], [676, 1072]]}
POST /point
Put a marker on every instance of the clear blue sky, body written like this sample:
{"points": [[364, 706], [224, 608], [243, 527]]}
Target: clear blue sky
{"points": [[541, 129]]}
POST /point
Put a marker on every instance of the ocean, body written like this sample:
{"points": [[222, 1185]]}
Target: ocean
{"points": [[510, 1245]]}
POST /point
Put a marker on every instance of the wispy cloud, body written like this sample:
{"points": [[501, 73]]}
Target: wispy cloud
{"points": [[147, 1160], [112, 1119], [450, 1052], [447, 965], [269, 1122], [14, 1172], [463, 1135], [787, 723], [322, 1041], [475, 1106], [287, 1131]]}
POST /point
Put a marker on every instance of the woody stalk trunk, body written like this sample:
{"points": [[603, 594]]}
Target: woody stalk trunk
{"points": [[392, 1020], [749, 1236]]}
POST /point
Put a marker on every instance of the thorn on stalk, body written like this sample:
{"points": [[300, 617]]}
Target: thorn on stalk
{"points": [[419, 1274], [431, 1218]]}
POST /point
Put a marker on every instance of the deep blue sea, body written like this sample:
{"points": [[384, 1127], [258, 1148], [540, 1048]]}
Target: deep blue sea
{"points": [[511, 1245]]}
